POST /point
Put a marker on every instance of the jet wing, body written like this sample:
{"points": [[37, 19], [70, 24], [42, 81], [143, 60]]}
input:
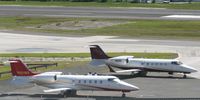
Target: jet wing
{"points": [[130, 70], [51, 73], [123, 71], [57, 90]]}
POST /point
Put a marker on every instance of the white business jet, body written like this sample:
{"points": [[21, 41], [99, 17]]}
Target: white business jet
{"points": [[140, 65], [69, 84]]}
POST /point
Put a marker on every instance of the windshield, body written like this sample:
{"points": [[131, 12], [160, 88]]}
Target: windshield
{"points": [[111, 79], [176, 62]]}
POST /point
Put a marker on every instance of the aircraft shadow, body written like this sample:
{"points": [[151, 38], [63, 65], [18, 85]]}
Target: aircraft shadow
{"points": [[86, 97], [57, 96], [162, 77]]}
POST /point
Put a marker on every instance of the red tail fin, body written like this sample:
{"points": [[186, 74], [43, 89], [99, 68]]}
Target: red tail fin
{"points": [[18, 68], [97, 52]]}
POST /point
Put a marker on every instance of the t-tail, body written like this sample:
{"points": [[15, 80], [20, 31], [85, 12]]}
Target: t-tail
{"points": [[18, 68], [97, 52]]}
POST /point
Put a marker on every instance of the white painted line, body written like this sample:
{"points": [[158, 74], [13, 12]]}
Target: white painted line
{"points": [[183, 16]]}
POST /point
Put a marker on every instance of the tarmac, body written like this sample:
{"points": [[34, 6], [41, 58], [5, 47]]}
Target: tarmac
{"points": [[157, 86]]}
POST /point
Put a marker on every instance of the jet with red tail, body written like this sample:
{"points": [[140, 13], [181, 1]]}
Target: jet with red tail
{"points": [[69, 84]]}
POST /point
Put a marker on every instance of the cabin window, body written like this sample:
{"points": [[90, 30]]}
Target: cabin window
{"points": [[142, 63], [151, 64], [147, 64], [79, 81], [161, 64], [73, 81], [100, 81], [85, 81], [156, 63], [90, 81], [165, 64], [95, 81]]}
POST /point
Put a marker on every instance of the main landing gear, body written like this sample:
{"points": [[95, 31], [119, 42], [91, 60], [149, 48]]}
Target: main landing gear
{"points": [[123, 94], [184, 76], [68, 93], [142, 73]]}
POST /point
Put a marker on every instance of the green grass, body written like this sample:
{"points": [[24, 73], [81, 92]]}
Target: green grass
{"points": [[146, 55], [164, 29], [106, 4]]}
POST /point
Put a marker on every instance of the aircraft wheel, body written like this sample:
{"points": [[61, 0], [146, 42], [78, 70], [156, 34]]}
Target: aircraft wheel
{"points": [[184, 76], [73, 92], [123, 95], [68, 93], [170, 73], [143, 73], [132, 73]]}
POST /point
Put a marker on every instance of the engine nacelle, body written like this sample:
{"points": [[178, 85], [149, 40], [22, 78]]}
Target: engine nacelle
{"points": [[43, 79]]}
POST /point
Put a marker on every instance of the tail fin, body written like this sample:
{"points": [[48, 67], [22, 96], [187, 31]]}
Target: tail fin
{"points": [[97, 52], [18, 68]]}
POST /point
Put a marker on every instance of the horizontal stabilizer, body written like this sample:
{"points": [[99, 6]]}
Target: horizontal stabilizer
{"points": [[51, 73], [57, 90]]}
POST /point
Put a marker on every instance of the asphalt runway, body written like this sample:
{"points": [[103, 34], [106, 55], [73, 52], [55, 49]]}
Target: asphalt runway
{"points": [[132, 13]]}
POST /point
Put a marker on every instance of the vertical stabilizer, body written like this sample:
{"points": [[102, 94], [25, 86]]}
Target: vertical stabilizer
{"points": [[97, 52], [18, 68]]}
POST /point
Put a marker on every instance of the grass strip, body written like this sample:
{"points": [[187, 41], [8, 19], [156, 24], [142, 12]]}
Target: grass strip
{"points": [[135, 54], [161, 29], [193, 5]]}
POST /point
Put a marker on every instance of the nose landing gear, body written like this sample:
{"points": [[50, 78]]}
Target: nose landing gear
{"points": [[184, 76], [123, 94]]}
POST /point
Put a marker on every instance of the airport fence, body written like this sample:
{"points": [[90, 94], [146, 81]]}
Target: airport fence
{"points": [[41, 59], [33, 66], [46, 59]]}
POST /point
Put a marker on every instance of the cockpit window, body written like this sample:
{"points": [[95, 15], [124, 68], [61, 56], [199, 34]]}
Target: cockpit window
{"points": [[176, 62], [111, 79]]}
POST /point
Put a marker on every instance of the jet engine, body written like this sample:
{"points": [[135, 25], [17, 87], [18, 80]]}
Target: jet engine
{"points": [[43, 79]]}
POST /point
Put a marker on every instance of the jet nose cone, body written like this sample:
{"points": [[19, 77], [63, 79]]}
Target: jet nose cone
{"points": [[135, 88], [194, 70], [191, 69]]}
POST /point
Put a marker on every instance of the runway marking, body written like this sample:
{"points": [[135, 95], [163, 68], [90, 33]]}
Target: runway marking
{"points": [[183, 16]]}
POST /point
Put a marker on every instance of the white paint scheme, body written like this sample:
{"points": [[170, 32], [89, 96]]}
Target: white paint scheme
{"points": [[165, 65], [68, 83], [83, 82], [145, 65]]}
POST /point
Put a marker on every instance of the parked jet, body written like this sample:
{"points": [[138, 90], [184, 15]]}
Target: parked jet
{"points": [[140, 65], [69, 84]]}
